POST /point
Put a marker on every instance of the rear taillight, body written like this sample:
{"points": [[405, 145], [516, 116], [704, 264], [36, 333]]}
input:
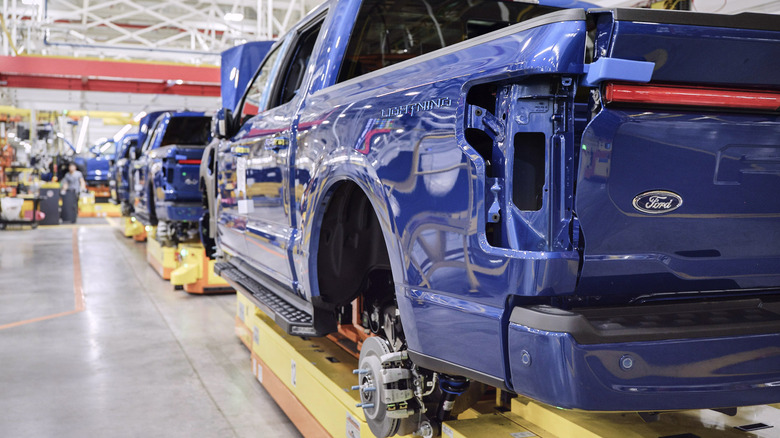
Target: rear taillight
{"points": [[188, 161], [693, 96]]}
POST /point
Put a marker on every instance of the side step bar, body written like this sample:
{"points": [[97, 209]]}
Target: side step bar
{"points": [[290, 318], [143, 218]]}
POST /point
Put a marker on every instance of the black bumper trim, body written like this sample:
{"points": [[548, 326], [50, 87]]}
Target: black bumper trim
{"points": [[654, 322], [443, 366]]}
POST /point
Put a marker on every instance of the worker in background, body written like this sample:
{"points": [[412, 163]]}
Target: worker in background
{"points": [[72, 183]]}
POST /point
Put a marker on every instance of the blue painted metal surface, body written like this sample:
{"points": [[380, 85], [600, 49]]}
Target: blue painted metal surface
{"points": [[627, 152], [96, 164], [237, 69], [685, 373], [464, 243], [120, 171], [694, 54], [97, 169], [615, 69], [145, 125], [166, 173]]}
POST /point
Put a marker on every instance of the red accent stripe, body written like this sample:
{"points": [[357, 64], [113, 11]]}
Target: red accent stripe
{"points": [[108, 69], [59, 73], [693, 96], [189, 161], [108, 85]]}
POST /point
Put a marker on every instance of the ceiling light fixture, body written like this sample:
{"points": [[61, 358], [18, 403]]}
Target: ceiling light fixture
{"points": [[234, 16], [82, 136], [125, 129]]}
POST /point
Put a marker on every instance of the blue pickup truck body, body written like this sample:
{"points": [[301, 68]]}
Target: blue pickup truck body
{"points": [[128, 150], [544, 227], [96, 164], [165, 179], [119, 173]]}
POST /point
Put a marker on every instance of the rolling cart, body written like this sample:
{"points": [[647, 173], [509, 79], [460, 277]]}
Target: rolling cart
{"points": [[7, 205]]}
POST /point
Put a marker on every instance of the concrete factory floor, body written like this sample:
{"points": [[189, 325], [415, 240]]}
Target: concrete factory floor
{"points": [[130, 357]]}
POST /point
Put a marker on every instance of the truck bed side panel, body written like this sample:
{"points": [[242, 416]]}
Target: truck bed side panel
{"points": [[421, 174]]}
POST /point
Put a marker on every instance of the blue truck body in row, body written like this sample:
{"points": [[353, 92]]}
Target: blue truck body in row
{"points": [[540, 234], [119, 173], [164, 188], [128, 149], [96, 164]]}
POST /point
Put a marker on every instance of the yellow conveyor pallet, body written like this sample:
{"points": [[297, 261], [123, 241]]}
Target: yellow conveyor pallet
{"points": [[132, 227], [195, 272], [135, 229], [185, 265], [89, 208], [310, 379], [161, 258]]}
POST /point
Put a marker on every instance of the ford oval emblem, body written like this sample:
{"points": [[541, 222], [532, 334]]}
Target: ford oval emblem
{"points": [[657, 202]]}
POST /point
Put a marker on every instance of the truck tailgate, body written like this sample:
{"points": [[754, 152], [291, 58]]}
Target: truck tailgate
{"points": [[678, 181], [693, 47]]}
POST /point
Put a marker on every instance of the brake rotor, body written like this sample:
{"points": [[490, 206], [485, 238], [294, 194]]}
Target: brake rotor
{"points": [[372, 388]]}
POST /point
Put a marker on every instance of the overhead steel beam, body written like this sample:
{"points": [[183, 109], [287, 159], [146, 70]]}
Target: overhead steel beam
{"points": [[113, 76], [113, 86], [44, 65]]}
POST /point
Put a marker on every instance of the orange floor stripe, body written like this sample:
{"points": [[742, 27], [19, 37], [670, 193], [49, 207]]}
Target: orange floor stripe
{"points": [[78, 290]]}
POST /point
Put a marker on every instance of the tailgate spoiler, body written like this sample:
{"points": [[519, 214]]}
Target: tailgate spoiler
{"points": [[691, 48], [745, 20]]}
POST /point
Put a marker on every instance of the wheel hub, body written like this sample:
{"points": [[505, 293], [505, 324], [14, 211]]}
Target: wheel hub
{"points": [[385, 390]]}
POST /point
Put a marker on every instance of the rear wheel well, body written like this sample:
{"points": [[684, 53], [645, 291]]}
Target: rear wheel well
{"points": [[352, 258]]}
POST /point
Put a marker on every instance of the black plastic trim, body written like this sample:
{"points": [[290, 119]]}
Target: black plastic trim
{"points": [[271, 283], [582, 324], [290, 318], [144, 218], [745, 20], [443, 366]]}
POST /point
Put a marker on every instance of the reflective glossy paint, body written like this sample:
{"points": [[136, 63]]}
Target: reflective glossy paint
{"points": [[686, 374], [120, 171], [236, 68], [98, 169], [724, 168], [426, 185], [473, 231], [165, 178]]}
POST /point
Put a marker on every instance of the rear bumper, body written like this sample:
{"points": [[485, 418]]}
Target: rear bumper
{"points": [[179, 211], [96, 182], [604, 371]]}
